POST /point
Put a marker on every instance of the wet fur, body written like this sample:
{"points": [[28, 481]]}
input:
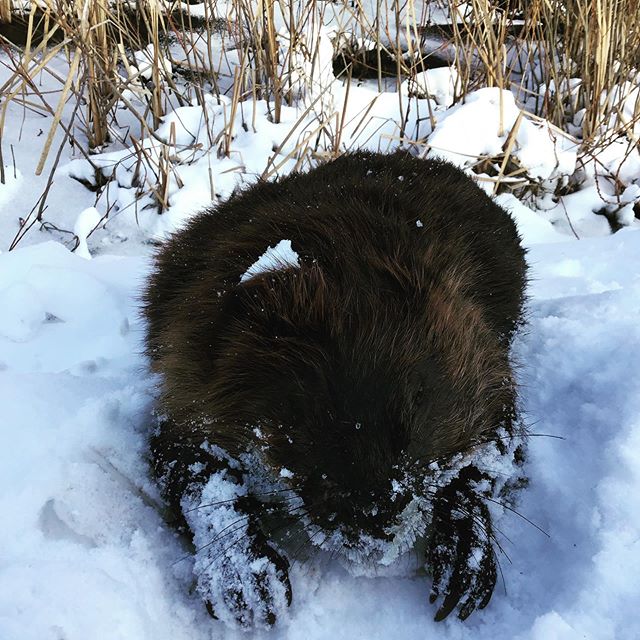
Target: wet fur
{"points": [[399, 319]]}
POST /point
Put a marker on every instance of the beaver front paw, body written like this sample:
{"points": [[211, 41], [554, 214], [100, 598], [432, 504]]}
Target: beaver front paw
{"points": [[240, 575], [247, 586], [460, 554]]}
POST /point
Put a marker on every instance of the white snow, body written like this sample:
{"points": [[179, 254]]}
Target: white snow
{"points": [[273, 259], [86, 222], [439, 84]]}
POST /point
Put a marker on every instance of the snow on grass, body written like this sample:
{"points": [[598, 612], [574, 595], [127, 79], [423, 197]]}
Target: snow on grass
{"points": [[480, 127], [439, 84]]}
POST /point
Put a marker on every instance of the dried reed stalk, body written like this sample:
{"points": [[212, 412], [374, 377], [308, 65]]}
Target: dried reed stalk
{"points": [[5, 10]]}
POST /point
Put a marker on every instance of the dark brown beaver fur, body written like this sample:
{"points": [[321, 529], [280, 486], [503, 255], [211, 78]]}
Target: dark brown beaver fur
{"points": [[352, 379]]}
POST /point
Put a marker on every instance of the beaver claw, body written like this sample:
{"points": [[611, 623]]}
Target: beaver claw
{"points": [[460, 553], [248, 587]]}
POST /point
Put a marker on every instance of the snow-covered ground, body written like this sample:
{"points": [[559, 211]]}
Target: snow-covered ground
{"points": [[85, 553]]}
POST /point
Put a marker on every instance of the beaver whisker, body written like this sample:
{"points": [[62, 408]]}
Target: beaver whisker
{"points": [[490, 536], [520, 515], [478, 521], [482, 496], [523, 436], [243, 536], [215, 539], [309, 541], [504, 583], [482, 525], [219, 535], [223, 552], [530, 434], [495, 539], [219, 502]]}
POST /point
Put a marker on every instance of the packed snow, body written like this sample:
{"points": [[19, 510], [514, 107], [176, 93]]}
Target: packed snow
{"points": [[86, 552]]}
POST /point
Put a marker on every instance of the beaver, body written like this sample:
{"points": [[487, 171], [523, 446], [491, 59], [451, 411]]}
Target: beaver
{"points": [[334, 355]]}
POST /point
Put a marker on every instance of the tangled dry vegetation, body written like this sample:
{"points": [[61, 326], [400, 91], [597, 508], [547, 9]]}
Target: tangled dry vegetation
{"points": [[122, 66]]}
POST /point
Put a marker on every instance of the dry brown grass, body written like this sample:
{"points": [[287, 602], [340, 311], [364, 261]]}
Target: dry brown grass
{"points": [[5, 10], [597, 41]]}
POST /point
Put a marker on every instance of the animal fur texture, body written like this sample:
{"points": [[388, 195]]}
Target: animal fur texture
{"points": [[345, 389]]}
